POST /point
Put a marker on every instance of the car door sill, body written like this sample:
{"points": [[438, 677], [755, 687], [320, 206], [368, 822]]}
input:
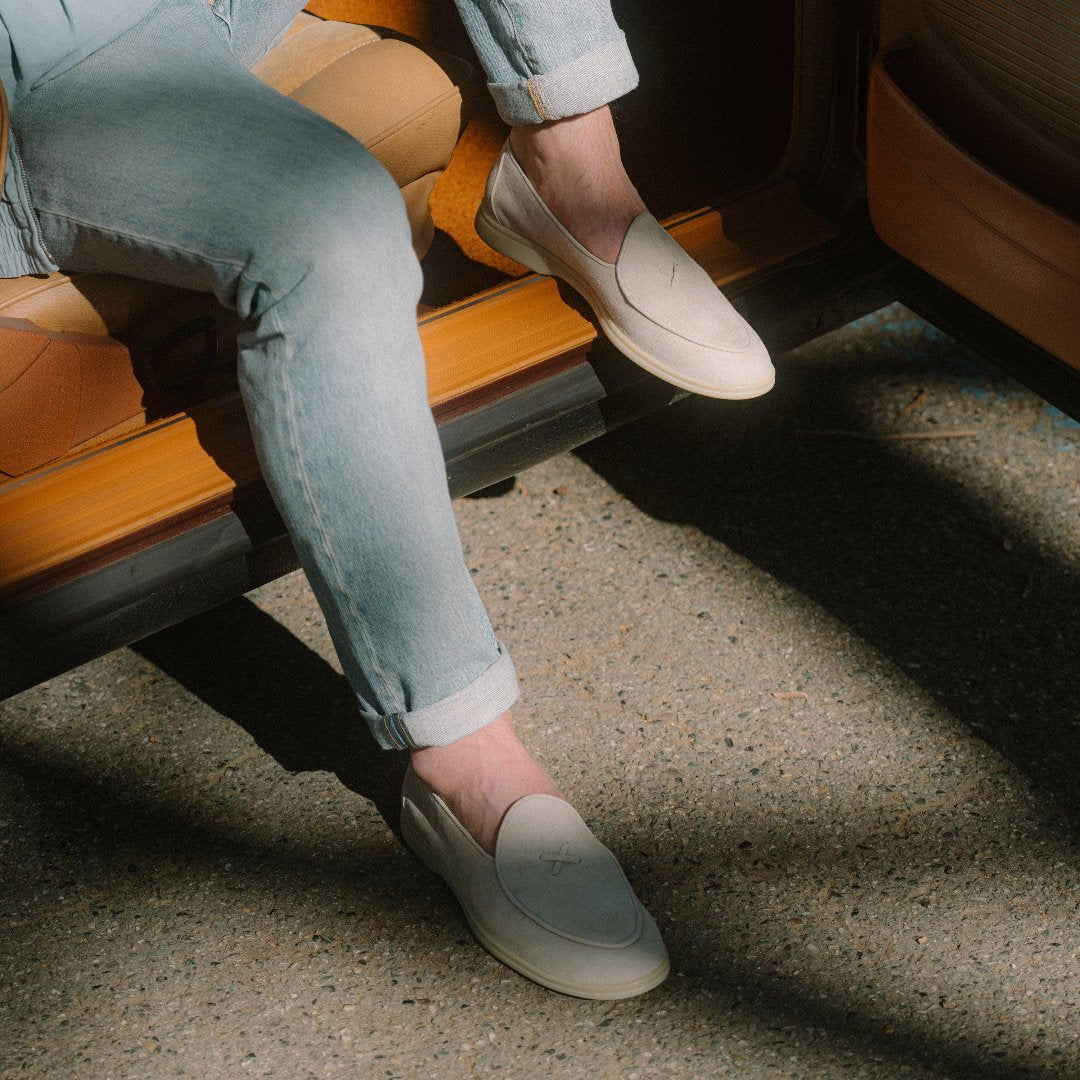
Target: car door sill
{"points": [[109, 545]]}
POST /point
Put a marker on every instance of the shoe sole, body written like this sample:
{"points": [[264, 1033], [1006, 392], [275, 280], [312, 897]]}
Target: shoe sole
{"points": [[418, 845], [541, 261]]}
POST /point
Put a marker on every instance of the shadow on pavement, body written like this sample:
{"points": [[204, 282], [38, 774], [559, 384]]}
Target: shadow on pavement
{"points": [[116, 847], [914, 563], [285, 696], [906, 558]]}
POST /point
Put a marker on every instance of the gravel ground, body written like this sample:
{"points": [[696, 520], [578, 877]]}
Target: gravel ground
{"points": [[814, 684]]}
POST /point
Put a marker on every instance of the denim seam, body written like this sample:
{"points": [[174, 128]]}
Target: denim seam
{"points": [[215, 9], [534, 95], [396, 732], [24, 183], [365, 633], [332, 562], [214, 260], [518, 44]]}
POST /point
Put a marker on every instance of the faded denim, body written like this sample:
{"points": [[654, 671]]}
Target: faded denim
{"points": [[161, 156], [549, 59]]}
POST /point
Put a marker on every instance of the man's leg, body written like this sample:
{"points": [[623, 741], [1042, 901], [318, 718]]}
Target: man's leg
{"points": [[559, 200], [553, 66], [576, 167], [160, 156]]}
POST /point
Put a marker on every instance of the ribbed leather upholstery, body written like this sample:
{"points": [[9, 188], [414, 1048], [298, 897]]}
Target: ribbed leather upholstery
{"points": [[962, 184], [309, 46], [1026, 54], [1002, 78]]}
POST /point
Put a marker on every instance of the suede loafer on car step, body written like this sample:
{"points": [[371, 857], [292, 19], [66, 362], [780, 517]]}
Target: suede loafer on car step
{"points": [[654, 303], [553, 902]]}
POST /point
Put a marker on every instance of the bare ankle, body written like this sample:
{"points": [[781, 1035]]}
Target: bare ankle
{"points": [[480, 776], [576, 167]]}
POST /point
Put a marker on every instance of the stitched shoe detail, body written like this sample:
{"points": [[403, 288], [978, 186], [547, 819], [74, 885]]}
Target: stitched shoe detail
{"points": [[545, 934], [655, 304], [554, 870], [661, 281]]}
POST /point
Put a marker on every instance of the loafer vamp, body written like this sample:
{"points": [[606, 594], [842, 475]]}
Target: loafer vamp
{"points": [[656, 305], [659, 280], [675, 357], [555, 871], [516, 921]]}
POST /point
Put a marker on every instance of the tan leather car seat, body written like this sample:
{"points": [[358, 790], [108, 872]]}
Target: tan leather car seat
{"points": [[84, 357], [973, 147]]}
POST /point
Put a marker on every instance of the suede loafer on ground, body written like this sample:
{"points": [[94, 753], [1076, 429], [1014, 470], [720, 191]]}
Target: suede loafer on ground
{"points": [[655, 304], [552, 903]]}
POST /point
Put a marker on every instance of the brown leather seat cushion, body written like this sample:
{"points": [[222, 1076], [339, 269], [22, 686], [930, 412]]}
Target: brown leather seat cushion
{"points": [[65, 381]]}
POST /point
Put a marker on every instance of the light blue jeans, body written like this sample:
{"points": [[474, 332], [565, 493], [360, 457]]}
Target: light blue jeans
{"points": [[161, 156]]}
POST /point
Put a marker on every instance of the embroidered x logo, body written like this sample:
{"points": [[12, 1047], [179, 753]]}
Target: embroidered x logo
{"points": [[558, 858]]}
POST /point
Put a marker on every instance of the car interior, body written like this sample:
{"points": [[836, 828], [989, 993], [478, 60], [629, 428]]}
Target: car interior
{"points": [[973, 149], [818, 159]]}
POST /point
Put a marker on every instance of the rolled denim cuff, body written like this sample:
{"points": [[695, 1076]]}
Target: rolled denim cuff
{"points": [[463, 712], [584, 84]]}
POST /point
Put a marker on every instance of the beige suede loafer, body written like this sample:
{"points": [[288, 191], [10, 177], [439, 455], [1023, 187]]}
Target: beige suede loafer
{"points": [[553, 902], [654, 303]]}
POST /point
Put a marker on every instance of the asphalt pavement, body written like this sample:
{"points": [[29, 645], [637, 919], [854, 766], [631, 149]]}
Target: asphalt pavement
{"points": [[807, 664]]}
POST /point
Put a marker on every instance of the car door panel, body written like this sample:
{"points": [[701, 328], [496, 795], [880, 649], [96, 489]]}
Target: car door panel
{"points": [[971, 163]]}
